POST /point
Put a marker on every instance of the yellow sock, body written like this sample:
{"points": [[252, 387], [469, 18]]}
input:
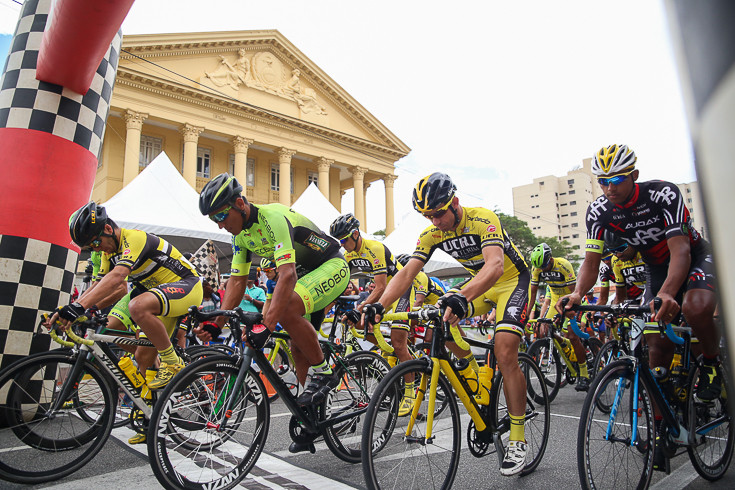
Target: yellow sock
{"points": [[410, 390], [583, 370], [473, 362], [517, 427], [169, 355]]}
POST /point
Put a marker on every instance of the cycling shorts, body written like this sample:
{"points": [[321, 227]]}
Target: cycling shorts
{"points": [[403, 304], [510, 299], [175, 298], [122, 313], [320, 287]]}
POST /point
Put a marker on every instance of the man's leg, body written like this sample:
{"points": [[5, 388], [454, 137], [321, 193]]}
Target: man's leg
{"points": [[514, 387], [699, 309]]}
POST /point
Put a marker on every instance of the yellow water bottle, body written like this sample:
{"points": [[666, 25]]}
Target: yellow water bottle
{"points": [[469, 374], [486, 382], [566, 346], [131, 371]]}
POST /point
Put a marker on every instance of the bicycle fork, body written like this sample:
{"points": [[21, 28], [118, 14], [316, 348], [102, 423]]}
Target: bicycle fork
{"points": [[230, 394]]}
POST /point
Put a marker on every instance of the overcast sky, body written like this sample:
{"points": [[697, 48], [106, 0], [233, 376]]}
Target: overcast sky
{"points": [[495, 92]]}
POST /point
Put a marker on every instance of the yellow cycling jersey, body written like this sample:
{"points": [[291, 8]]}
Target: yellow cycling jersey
{"points": [[629, 272], [422, 285], [478, 228], [373, 258], [152, 260], [561, 279]]}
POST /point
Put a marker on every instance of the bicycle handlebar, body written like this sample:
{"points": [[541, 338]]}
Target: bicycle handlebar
{"points": [[425, 314], [245, 317]]}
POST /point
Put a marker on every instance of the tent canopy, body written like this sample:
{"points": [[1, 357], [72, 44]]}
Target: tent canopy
{"points": [[312, 204]]}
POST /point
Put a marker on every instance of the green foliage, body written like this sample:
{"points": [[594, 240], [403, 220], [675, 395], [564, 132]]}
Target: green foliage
{"points": [[379, 233], [525, 240]]}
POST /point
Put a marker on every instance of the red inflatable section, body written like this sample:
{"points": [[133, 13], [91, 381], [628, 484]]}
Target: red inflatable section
{"points": [[49, 177], [75, 42]]}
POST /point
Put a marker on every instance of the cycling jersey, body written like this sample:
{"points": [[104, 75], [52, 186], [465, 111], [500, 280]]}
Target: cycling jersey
{"points": [[278, 233], [656, 212], [631, 274], [426, 286], [606, 275], [480, 228], [157, 267], [560, 279], [373, 258]]}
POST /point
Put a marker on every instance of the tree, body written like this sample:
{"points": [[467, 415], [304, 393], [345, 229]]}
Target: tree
{"points": [[525, 240]]}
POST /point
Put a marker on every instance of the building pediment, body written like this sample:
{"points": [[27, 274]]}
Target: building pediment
{"points": [[261, 71]]}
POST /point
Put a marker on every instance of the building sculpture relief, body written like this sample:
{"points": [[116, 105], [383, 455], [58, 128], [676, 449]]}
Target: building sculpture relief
{"points": [[265, 72]]}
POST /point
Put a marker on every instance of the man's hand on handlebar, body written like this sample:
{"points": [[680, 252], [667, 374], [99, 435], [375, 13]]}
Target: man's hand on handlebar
{"points": [[374, 312], [568, 302], [456, 307], [667, 311]]}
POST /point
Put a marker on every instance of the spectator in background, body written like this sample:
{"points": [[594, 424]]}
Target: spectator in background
{"points": [[364, 294], [254, 297]]}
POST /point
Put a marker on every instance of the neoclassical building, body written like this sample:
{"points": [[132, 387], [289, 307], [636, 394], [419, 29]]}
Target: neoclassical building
{"points": [[245, 102]]}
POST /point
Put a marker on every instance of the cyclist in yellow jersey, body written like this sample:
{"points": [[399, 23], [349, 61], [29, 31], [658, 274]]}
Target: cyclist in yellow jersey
{"points": [[165, 284], [475, 237], [311, 274], [374, 258], [426, 290], [560, 278]]}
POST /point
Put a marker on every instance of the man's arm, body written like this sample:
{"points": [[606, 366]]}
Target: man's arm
{"points": [[488, 275], [400, 282], [287, 278], [531, 300], [380, 281], [679, 263], [605, 294], [108, 290], [588, 272], [621, 294]]}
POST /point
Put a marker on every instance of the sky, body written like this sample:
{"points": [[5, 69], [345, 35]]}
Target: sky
{"points": [[494, 93]]}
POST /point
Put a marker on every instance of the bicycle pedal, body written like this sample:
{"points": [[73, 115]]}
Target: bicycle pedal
{"points": [[300, 447]]}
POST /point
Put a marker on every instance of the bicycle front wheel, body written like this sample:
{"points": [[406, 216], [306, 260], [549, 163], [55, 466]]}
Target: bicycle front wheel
{"points": [[538, 416], [615, 448], [609, 353], [711, 427], [187, 446], [349, 401], [547, 358], [40, 443], [403, 451]]}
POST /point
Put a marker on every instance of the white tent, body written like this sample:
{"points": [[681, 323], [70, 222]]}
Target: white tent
{"points": [[312, 204], [160, 201], [403, 240]]}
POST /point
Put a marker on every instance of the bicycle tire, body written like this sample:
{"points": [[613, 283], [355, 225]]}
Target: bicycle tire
{"points": [[392, 460], [367, 369], [547, 358], [185, 449], [613, 462], [55, 445], [609, 352], [712, 427], [538, 414]]}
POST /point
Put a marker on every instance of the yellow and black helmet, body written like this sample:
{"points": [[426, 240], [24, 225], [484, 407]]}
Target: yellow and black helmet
{"points": [[87, 223], [343, 226], [218, 192], [613, 160], [433, 192]]}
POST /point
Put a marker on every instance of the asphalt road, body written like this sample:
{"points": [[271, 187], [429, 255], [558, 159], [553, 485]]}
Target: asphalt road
{"points": [[122, 466]]}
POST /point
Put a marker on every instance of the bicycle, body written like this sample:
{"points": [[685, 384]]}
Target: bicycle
{"points": [[425, 445], [549, 353], [211, 421], [616, 447], [61, 405]]}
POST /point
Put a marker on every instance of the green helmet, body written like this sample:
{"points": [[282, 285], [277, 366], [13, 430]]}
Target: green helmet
{"points": [[267, 264], [541, 256]]}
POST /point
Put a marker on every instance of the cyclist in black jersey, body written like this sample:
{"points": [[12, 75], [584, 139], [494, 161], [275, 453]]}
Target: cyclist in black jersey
{"points": [[311, 274], [652, 217]]}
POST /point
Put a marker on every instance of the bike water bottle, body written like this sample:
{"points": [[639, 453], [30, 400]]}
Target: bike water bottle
{"points": [[131, 371], [469, 374], [486, 382], [569, 350]]}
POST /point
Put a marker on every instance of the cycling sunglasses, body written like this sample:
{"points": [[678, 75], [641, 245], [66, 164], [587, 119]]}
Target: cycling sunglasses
{"points": [[342, 241], [93, 244], [221, 216], [616, 180], [439, 214]]}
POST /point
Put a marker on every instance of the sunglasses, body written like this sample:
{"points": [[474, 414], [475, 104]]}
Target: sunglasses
{"points": [[221, 216], [618, 249], [616, 180], [270, 269], [93, 244], [438, 214], [342, 241]]}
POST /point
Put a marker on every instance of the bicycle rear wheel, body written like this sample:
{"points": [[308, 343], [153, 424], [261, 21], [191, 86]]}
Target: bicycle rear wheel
{"points": [[396, 451], [186, 447], [608, 453], [547, 358], [352, 396], [538, 415], [711, 426], [40, 444]]}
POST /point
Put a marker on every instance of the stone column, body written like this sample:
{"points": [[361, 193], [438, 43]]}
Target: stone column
{"points": [[363, 218], [358, 174], [388, 180], [191, 138], [134, 124], [284, 169], [324, 164], [241, 146]]}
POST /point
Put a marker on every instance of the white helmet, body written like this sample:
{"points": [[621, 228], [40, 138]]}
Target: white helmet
{"points": [[613, 160]]}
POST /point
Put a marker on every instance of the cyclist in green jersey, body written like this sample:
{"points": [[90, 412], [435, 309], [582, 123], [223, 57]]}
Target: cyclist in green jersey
{"points": [[311, 274]]}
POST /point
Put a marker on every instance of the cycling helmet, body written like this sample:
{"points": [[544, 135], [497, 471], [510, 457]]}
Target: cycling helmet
{"points": [[613, 160], [219, 191], [403, 259], [613, 242], [541, 256], [87, 223], [344, 225], [267, 264], [434, 191]]}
